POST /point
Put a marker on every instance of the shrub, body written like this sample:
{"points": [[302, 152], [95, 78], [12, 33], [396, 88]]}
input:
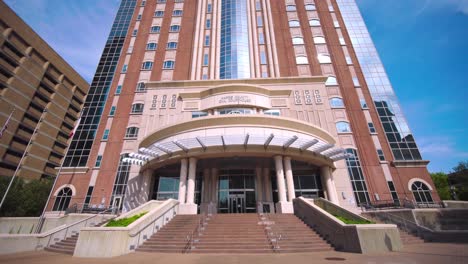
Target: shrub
{"points": [[123, 222], [352, 221]]}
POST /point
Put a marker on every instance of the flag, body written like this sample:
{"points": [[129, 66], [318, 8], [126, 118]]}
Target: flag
{"points": [[75, 128], [5, 126]]}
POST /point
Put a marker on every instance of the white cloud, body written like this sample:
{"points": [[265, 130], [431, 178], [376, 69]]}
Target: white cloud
{"points": [[440, 146]]}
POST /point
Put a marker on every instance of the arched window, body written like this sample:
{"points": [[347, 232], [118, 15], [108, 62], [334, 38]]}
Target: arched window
{"points": [[62, 201], [159, 13], [132, 132], [336, 102], [310, 7], [343, 127], [324, 58], [168, 64], [297, 40], [294, 23], [421, 192], [301, 60], [174, 28], [177, 13], [155, 29], [331, 80], [314, 23], [290, 8], [141, 87], [137, 108], [147, 65], [319, 40], [171, 45], [151, 46]]}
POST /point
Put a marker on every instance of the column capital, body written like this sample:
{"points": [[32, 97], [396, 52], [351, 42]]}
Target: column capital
{"points": [[278, 157], [287, 158], [192, 159]]}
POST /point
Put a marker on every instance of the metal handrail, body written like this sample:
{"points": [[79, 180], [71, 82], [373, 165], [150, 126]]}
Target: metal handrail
{"points": [[398, 203], [403, 223], [191, 235], [67, 227], [150, 223], [274, 240]]}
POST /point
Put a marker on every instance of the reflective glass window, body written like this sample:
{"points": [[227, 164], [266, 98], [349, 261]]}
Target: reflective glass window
{"points": [[151, 46], [319, 40], [302, 60], [336, 102], [314, 22], [131, 132], [343, 127], [294, 23], [147, 65], [324, 58], [310, 7], [298, 40], [168, 64]]}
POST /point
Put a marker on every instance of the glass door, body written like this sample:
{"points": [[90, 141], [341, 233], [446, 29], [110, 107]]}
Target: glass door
{"points": [[236, 203]]}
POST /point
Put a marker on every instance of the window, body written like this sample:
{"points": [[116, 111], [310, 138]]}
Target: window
{"points": [[161, 1], [290, 8], [356, 82], [143, 3], [105, 136], [297, 40], [342, 41], [112, 110], [209, 8], [336, 102], [343, 127], [171, 45], [336, 24], [314, 23], [98, 161], [381, 155], [168, 65], [261, 38], [159, 13], [132, 132], [174, 28], [204, 77], [208, 23], [357, 177], [137, 108], [348, 60], [141, 87], [310, 7], [235, 111], [422, 193], [294, 23], [371, 128], [151, 46], [155, 29], [147, 65], [363, 103], [273, 112], [302, 60], [205, 59], [62, 201], [324, 58], [258, 6], [197, 114], [177, 13], [319, 40], [118, 90], [139, 17], [331, 80], [207, 40], [259, 21], [391, 187], [124, 68], [263, 59], [135, 32]]}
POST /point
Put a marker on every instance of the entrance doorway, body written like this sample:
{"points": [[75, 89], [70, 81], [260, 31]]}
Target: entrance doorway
{"points": [[236, 191], [236, 203]]}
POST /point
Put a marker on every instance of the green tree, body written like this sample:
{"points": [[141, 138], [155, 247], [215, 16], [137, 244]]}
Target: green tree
{"points": [[441, 183], [25, 198], [459, 180]]}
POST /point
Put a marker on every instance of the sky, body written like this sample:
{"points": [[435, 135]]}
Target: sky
{"points": [[423, 45]]}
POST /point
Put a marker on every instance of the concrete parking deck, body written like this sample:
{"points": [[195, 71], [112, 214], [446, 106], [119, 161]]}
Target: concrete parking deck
{"points": [[420, 253]]}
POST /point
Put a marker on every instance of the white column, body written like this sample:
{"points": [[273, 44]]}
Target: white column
{"points": [[214, 185], [206, 185], [191, 180], [258, 184], [328, 182], [289, 178], [267, 185], [182, 180], [280, 178]]}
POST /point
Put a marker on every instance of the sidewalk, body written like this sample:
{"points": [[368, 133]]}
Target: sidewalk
{"points": [[426, 253]]}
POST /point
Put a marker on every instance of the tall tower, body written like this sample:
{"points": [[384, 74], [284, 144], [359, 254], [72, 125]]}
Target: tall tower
{"points": [[240, 105]]}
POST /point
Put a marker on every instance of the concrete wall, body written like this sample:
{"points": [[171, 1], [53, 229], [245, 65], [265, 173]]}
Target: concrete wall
{"points": [[369, 238], [456, 204], [102, 242]]}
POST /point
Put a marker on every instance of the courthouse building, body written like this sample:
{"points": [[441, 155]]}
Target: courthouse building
{"points": [[236, 106]]}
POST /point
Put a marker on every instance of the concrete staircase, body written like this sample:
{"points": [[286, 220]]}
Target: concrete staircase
{"points": [[295, 235], [172, 238], [408, 239], [67, 245]]}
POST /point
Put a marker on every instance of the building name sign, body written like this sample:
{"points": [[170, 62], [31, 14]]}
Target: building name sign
{"points": [[235, 99]]}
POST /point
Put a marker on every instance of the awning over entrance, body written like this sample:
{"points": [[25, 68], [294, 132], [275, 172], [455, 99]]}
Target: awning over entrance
{"points": [[164, 150]]}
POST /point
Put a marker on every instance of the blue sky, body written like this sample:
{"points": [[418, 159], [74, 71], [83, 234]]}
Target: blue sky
{"points": [[422, 43]]}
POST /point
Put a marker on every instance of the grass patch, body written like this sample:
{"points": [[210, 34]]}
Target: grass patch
{"points": [[351, 221], [123, 222]]}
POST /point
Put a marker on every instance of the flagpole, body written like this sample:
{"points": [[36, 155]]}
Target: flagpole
{"points": [[21, 160], [41, 218], [4, 127]]}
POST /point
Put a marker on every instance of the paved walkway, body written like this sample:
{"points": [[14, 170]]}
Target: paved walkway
{"points": [[422, 253]]}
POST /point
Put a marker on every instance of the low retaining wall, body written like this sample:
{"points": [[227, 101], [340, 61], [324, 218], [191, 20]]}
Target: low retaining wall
{"points": [[102, 242], [365, 238]]}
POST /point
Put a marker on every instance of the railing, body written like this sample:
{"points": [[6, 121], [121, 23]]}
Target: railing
{"points": [[74, 226], [273, 238], [81, 208], [152, 224], [403, 223], [398, 203], [191, 236]]}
